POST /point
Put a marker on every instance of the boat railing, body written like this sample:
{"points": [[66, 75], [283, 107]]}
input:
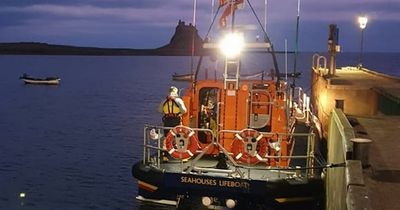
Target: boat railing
{"points": [[309, 156], [153, 143], [302, 105], [153, 148]]}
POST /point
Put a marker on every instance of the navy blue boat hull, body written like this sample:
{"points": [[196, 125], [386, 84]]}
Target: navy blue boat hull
{"points": [[248, 193]]}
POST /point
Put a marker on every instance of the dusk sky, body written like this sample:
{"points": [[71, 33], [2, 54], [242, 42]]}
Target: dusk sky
{"points": [[151, 23]]}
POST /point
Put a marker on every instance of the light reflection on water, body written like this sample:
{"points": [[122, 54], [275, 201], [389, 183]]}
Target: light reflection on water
{"points": [[72, 146]]}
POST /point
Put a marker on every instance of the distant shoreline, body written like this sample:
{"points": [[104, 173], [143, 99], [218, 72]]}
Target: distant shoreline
{"points": [[36, 48]]}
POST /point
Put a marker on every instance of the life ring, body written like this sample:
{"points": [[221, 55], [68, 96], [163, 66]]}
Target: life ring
{"points": [[249, 146], [181, 142]]}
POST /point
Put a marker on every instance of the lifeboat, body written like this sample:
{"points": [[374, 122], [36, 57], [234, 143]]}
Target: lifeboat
{"points": [[244, 143]]}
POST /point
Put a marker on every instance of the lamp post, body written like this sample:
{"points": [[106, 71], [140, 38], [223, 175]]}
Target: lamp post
{"points": [[362, 20]]}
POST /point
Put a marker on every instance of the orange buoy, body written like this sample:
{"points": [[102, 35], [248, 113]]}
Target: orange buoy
{"points": [[181, 142], [249, 146]]}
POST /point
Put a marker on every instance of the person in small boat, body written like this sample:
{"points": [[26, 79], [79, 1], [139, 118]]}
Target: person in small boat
{"points": [[172, 108]]}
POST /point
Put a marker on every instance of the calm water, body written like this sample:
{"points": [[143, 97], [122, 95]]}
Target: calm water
{"points": [[72, 146]]}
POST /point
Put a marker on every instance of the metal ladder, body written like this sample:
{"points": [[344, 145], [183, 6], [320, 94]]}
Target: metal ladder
{"points": [[232, 72]]}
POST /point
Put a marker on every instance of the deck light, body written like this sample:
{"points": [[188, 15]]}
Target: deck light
{"points": [[232, 44], [230, 203], [362, 20], [206, 201]]}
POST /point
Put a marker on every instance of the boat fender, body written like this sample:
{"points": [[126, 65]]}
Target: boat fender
{"points": [[249, 146], [181, 142]]}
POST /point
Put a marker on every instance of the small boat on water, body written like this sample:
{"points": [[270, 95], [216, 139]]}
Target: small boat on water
{"points": [[182, 77], [40, 81], [244, 143]]}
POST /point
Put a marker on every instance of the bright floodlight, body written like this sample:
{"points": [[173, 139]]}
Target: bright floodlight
{"points": [[232, 45], [362, 21]]}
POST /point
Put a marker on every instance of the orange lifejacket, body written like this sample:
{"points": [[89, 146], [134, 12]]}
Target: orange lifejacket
{"points": [[170, 107]]}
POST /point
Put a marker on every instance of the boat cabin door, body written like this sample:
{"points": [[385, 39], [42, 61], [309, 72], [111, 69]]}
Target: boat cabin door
{"points": [[260, 109], [208, 113]]}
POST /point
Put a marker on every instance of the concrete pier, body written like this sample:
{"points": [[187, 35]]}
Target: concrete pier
{"points": [[359, 92], [382, 178], [371, 103]]}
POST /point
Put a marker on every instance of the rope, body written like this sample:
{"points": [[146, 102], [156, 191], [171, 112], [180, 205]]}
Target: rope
{"points": [[212, 22], [266, 37]]}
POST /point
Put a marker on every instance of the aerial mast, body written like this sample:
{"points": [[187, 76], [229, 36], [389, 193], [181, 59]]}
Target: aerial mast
{"points": [[193, 35], [296, 49]]}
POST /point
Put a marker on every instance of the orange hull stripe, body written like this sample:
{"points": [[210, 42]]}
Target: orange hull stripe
{"points": [[147, 186]]}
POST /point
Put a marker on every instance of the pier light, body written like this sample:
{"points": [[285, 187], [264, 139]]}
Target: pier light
{"points": [[362, 21], [232, 44]]}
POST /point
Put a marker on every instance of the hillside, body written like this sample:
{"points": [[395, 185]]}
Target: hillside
{"points": [[181, 44]]}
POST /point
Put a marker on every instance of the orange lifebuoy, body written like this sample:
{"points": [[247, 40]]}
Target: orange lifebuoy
{"points": [[249, 146], [181, 142]]}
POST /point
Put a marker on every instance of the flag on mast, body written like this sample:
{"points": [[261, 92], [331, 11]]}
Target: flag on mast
{"points": [[228, 10]]}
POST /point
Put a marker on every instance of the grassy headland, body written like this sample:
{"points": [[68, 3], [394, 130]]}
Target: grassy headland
{"points": [[181, 44]]}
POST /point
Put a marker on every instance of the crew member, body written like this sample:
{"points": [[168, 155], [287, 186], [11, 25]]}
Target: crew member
{"points": [[173, 108]]}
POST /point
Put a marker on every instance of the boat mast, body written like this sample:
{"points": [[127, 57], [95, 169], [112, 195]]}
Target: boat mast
{"points": [[191, 57], [233, 5], [212, 10], [296, 49], [265, 14], [194, 12], [193, 35], [286, 60], [293, 86]]}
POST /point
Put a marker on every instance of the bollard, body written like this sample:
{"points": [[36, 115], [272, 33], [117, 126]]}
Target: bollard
{"points": [[361, 150]]}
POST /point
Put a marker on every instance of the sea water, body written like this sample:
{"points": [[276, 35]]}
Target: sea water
{"points": [[72, 146]]}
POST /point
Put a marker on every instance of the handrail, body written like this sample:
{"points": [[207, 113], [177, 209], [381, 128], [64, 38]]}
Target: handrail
{"points": [[319, 65], [156, 145], [310, 148], [316, 63], [314, 60], [303, 105]]}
